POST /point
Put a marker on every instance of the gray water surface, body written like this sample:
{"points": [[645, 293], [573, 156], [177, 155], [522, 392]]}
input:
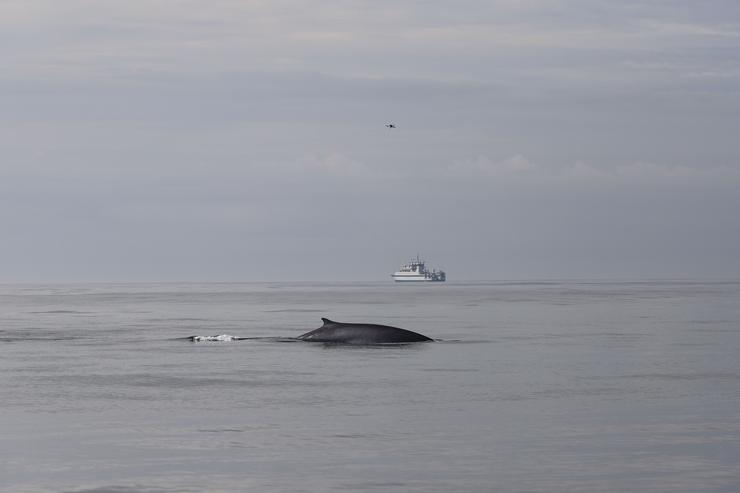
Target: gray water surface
{"points": [[536, 387]]}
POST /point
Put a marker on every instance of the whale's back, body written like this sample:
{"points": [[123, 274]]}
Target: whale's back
{"points": [[344, 333]]}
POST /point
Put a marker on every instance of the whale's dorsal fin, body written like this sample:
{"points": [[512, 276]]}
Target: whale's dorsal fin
{"points": [[327, 321]]}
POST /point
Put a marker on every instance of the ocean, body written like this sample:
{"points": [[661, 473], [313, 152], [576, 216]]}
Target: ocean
{"points": [[553, 386]]}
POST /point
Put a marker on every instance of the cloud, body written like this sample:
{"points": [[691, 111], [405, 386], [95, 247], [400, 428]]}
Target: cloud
{"points": [[516, 165], [519, 169], [85, 39], [335, 164], [260, 125]]}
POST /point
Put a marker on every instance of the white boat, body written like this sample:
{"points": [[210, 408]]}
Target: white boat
{"points": [[416, 271]]}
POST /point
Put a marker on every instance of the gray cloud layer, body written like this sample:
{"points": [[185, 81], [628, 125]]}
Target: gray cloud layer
{"points": [[231, 140]]}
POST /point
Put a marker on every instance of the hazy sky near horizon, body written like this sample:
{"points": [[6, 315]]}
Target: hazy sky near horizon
{"points": [[234, 140]]}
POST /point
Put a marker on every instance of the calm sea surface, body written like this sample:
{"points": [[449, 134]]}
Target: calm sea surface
{"points": [[536, 387]]}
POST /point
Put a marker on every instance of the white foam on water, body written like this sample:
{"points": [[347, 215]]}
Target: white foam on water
{"points": [[216, 338]]}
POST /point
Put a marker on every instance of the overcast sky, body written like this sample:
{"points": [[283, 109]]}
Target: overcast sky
{"points": [[235, 140]]}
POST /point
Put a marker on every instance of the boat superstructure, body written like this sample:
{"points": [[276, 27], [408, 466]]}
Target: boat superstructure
{"points": [[416, 271]]}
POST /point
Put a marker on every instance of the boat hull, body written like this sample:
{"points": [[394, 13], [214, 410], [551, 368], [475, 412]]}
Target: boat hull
{"points": [[414, 279]]}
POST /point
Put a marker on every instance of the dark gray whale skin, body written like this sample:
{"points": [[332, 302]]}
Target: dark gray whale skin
{"points": [[341, 333]]}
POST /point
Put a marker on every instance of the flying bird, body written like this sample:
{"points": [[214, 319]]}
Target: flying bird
{"points": [[390, 125]]}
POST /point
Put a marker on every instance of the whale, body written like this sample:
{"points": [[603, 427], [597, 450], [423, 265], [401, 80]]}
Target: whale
{"points": [[349, 333]]}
